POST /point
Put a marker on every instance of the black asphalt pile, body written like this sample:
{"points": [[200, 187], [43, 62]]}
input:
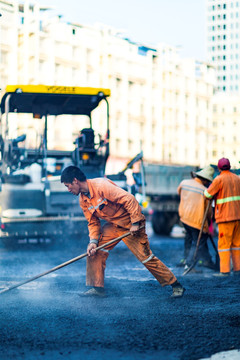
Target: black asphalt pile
{"points": [[47, 319]]}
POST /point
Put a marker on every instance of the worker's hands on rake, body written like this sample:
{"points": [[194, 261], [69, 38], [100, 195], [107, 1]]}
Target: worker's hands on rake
{"points": [[91, 249], [134, 229]]}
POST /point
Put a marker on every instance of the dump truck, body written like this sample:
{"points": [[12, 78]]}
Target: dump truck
{"points": [[161, 183], [35, 206]]}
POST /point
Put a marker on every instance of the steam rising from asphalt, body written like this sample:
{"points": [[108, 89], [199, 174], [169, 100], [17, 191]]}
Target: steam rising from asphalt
{"points": [[25, 262]]}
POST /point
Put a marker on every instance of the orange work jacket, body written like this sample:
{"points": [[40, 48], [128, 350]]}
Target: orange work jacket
{"points": [[225, 189], [109, 202], [193, 203]]}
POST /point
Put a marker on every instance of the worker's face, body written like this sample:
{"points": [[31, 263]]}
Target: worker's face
{"points": [[74, 187]]}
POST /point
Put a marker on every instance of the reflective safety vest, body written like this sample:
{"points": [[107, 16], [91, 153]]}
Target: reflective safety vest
{"points": [[193, 203], [225, 189]]}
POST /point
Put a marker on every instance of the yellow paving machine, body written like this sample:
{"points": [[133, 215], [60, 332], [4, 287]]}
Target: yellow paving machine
{"points": [[35, 206]]}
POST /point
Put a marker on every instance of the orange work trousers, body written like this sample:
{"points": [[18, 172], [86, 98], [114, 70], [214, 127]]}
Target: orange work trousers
{"points": [[229, 245], [139, 246]]}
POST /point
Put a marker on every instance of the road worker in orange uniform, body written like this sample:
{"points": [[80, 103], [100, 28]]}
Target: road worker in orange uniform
{"points": [[225, 189], [99, 199], [191, 210]]}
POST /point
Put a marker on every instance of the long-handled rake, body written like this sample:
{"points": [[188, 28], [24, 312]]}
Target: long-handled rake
{"points": [[63, 264]]}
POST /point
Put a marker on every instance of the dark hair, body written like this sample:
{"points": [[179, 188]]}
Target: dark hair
{"points": [[70, 173]]}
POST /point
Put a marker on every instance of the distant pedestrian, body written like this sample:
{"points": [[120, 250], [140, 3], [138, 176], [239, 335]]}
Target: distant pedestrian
{"points": [[99, 199], [225, 189], [192, 208]]}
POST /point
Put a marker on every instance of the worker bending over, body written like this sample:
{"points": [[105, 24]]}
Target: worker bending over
{"points": [[225, 189], [99, 199], [191, 210]]}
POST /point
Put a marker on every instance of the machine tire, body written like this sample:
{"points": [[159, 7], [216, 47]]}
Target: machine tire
{"points": [[159, 224], [163, 222]]}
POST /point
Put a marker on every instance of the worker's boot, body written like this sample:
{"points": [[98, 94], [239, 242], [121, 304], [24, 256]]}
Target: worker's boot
{"points": [[181, 263], [94, 292], [208, 263], [192, 271], [178, 290], [222, 275]]}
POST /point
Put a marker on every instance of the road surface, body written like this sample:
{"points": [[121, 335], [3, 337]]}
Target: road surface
{"points": [[48, 319]]}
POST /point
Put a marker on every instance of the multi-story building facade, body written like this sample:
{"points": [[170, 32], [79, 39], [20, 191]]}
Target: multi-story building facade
{"points": [[225, 128], [223, 52], [160, 102], [223, 42], [8, 42]]}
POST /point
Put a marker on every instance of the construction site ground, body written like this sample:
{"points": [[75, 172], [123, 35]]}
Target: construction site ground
{"points": [[49, 319]]}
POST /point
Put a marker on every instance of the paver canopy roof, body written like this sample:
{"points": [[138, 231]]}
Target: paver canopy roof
{"points": [[52, 100]]}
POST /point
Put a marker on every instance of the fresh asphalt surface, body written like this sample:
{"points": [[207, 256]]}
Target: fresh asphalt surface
{"points": [[47, 319]]}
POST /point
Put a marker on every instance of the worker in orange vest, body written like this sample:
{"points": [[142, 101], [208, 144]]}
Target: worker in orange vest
{"points": [[225, 189], [191, 210], [99, 199]]}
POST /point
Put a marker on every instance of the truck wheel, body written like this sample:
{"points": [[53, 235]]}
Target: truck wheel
{"points": [[160, 224]]}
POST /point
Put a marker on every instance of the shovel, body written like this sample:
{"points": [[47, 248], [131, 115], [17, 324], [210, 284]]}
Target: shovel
{"points": [[198, 241], [217, 258], [64, 264]]}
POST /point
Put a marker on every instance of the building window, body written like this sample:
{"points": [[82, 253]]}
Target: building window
{"points": [[130, 145], [118, 144]]}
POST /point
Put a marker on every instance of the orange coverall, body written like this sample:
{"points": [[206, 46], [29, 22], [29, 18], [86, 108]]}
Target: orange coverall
{"points": [[225, 188], [120, 209]]}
